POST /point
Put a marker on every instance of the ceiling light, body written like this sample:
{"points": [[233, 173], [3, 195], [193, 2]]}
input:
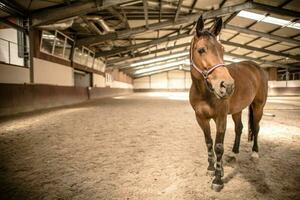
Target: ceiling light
{"points": [[182, 62], [159, 59]]}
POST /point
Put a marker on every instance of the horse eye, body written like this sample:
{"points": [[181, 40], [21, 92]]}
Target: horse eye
{"points": [[201, 50]]}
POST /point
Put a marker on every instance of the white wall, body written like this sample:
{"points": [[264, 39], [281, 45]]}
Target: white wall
{"points": [[10, 35], [159, 81], [142, 83], [118, 84], [274, 84], [174, 79], [46, 72], [13, 74], [98, 80]]}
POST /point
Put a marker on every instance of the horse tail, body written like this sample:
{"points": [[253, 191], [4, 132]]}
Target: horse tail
{"points": [[250, 124]]}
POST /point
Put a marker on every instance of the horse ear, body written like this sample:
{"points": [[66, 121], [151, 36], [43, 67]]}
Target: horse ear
{"points": [[199, 26], [216, 28]]}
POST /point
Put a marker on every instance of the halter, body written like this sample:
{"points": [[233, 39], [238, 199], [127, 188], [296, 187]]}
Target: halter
{"points": [[205, 73]]}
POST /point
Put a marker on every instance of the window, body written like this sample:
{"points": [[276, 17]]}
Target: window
{"points": [[68, 48], [84, 56], [77, 55], [57, 44], [90, 61], [99, 65], [96, 63], [47, 42]]}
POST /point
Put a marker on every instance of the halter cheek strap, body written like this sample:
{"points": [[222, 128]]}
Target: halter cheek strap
{"points": [[205, 73]]}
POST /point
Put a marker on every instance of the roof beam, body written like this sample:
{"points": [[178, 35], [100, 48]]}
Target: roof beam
{"points": [[156, 72], [193, 6], [178, 10], [160, 10], [145, 5], [51, 15], [251, 48], [91, 26], [13, 8], [162, 58], [172, 62], [13, 25], [117, 14], [276, 10], [117, 60], [261, 34], [129, 66], [155, 26], [141, 45], [254, 59]]}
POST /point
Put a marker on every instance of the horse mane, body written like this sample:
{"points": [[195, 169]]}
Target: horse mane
{"points": [[206, 34]]}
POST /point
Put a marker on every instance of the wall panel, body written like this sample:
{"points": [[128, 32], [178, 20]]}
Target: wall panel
{"points": [[13, 74], [46, 72]]}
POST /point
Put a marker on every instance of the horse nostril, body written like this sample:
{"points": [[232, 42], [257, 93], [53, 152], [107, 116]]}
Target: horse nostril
{"points": [[222, 84]]}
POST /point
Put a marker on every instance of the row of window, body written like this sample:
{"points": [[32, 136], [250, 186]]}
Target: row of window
{"points": [[58, 44]]}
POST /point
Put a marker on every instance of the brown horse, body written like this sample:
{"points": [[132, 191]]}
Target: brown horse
{"points": [[218, 90]]}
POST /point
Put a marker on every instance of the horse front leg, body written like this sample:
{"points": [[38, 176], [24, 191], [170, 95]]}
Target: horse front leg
{"points": [[217, 183], [204, 124]]}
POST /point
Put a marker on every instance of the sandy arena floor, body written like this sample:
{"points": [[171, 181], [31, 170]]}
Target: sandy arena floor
{"points": [[143, 146]]}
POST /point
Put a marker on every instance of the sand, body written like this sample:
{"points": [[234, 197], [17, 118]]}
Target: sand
{"points": [[143, 146]]}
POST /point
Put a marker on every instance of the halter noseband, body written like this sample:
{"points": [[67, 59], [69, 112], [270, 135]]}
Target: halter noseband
{"points": [[205, 73]]}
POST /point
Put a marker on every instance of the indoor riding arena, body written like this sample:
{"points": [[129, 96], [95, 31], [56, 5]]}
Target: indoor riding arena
{"points": [[150, 99]]}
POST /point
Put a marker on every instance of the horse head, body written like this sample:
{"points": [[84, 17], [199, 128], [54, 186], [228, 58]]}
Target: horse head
{"points": [[207, 59]]}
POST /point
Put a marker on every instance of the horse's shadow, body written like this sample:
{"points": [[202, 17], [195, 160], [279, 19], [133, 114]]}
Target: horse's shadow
{"points": [[250, 171]]}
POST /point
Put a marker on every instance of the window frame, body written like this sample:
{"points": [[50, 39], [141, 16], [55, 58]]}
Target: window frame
{"points": [[54, 43], [88, 52]]}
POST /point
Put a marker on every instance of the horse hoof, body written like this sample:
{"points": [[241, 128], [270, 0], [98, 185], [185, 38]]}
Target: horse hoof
{"points": [[231, 157], [254, 155], [217, 187], [210, 173]]}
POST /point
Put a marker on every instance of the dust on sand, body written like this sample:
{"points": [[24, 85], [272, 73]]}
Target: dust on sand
{"points": [[143, 146]]}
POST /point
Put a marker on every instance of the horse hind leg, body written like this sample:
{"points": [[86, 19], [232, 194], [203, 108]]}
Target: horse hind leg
{"points": [[257, 112], [237, 119]]}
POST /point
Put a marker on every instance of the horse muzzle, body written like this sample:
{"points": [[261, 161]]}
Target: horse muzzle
{"points": [[223, 89]]}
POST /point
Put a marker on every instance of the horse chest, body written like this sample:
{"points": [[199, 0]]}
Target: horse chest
{"points": [[204, 109]]}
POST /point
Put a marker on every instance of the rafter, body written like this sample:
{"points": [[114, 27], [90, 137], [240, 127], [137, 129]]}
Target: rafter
{"points": [[258, 60], [159, 25], [145, 5], [178, 10], [251, 48], [13, 8], [13, 25], [141, 45], [156, 71], [193, 6], [131, 66], [261, 34], [117, 60], [276, 10], [171, 61], [51, 15]]}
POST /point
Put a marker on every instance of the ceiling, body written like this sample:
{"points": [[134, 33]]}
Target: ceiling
{"points": [[138, 36]]}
